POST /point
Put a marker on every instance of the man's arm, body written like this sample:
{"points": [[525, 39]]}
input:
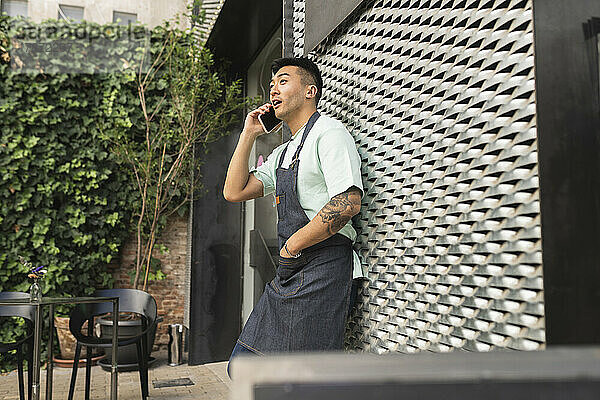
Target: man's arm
{"points": [[328, 221], [240, 185]]}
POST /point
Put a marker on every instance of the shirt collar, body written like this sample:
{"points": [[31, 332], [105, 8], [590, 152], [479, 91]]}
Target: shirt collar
{"points": [[299, 132]]}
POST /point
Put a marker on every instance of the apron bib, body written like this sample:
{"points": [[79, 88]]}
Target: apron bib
{"points": [[304, 307]]}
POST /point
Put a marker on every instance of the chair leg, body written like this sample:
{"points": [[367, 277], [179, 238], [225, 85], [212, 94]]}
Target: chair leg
{"points": [[140, 355], [29, 368], [145, 358], [74, 371], [20, 368], [88, 372]]}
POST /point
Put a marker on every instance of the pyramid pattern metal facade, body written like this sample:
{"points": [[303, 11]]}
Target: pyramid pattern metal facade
{"points": [[211, 10], [440, 98]]}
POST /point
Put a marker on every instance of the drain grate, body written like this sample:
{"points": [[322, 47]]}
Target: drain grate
{"points": [[172, 383]]}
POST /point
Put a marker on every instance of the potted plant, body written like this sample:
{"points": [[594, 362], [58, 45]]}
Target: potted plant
{"points": [[127, 355]]}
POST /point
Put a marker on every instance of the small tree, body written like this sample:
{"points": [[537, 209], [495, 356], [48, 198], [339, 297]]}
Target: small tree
{"points": [[185, 105]]}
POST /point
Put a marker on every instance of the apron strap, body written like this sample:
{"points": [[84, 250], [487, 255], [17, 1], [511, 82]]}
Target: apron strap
{"points": [[283, 154], [311, 121]]}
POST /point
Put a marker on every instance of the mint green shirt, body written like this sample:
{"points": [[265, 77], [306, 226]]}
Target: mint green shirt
{"points": [[329, 165]]}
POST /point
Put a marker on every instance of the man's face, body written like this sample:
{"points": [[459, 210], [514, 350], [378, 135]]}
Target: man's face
{"points": [[288, 93]]}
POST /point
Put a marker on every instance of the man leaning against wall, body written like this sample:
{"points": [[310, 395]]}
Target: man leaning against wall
{"points": [[317, 183]]}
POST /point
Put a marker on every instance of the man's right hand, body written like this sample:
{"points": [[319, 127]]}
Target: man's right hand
{"points": [[240, 185], [252, 125]]}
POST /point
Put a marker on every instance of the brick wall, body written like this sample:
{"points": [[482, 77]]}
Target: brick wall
{"points": [[170, 292]]}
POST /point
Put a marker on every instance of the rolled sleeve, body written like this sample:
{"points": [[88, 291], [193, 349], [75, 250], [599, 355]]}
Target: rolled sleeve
{"points": [[266, 174], [339, 161]]}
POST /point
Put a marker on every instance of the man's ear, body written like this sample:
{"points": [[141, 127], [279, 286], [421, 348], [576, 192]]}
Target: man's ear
{"points": [[311, 92]]}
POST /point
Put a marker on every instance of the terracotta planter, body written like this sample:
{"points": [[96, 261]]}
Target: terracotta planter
{"points": [[66, 341], [59, 362]]}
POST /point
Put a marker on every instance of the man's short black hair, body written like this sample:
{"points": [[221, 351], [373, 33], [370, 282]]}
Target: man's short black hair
{"points": [[310, 75]]}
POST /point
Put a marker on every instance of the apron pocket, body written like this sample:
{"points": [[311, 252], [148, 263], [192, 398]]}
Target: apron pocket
{"points": [[290, 276]]}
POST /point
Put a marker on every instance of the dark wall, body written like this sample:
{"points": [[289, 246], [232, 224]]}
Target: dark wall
{"points": [[568, 116], [242, 29], [215, 303]]}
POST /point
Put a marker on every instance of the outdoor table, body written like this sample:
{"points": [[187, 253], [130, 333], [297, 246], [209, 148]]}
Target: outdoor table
{"points": [[37, 338]]}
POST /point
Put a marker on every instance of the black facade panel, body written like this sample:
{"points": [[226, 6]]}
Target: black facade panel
{"points": [[215, 304], [568, 116]]}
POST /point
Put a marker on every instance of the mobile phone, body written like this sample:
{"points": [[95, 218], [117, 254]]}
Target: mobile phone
{"points": [[269, 121]]}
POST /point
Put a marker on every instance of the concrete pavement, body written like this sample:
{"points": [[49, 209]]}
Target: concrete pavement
{"points": [[210, 382]]}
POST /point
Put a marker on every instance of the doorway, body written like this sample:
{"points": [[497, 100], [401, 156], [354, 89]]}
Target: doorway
{"points": [[260, 215]]}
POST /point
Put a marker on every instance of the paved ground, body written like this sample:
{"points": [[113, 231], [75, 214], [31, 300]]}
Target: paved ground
{"points": [[210, 382]]}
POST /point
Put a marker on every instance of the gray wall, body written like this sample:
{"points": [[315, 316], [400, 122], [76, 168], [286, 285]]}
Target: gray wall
{"points": [[320, 21]]}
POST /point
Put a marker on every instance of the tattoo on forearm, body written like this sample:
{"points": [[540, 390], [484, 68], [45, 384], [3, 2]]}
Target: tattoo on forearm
{"points": [[340, 210]]}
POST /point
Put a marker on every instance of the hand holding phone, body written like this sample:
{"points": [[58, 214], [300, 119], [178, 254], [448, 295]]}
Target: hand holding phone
{"points": [[269, 121]]}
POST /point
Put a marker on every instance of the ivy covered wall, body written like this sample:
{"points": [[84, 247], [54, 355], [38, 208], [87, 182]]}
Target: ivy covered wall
{"points": [[65, 202]]}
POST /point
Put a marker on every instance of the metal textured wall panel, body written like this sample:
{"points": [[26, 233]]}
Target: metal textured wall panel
{"points": [[439, 96], [211, 10]]}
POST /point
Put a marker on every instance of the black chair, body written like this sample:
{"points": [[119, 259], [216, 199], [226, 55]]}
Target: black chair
{"points": [[130, 300], [28, 313]]}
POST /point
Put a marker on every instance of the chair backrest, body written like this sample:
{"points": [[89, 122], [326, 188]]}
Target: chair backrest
{"points": [[130, 300], [26, 311]]}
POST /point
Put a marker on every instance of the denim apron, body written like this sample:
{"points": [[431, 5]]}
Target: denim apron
{"points": [[304, 307]]}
